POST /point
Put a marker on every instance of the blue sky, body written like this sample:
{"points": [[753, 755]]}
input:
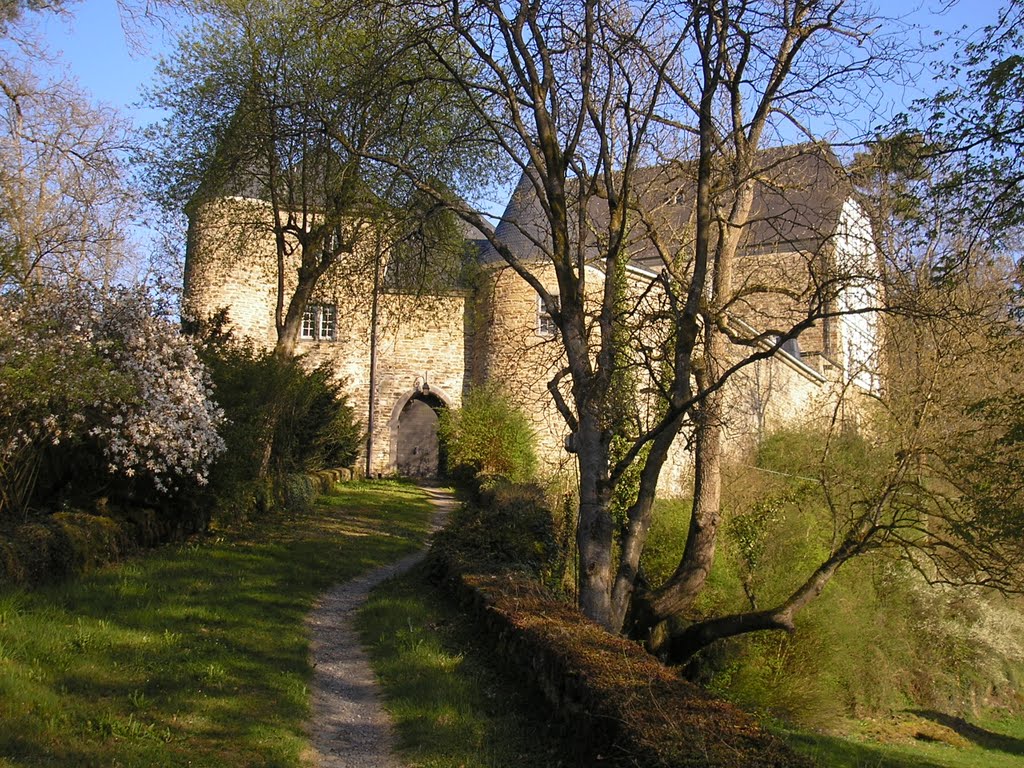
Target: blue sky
{"points": [[93, 46], [94, 49], [92, 43]]}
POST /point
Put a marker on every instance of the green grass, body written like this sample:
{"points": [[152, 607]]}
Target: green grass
{"points": [[930, 740], [195, 655], [452, 707]]}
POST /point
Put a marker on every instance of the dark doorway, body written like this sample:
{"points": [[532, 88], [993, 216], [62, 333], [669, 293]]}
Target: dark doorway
{"points": [[418, 453]]}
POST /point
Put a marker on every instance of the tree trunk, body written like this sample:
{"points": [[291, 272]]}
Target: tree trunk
{"points": [[289, 326], [683, 646], [639, 518], [684, 586], [594, 534], [288, 329]]}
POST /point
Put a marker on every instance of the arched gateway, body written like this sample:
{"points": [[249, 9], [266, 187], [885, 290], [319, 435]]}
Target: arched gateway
{"points": [[415, 448]]}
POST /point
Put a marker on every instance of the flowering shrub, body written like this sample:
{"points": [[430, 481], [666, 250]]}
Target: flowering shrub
{"points": [[100, 369]]}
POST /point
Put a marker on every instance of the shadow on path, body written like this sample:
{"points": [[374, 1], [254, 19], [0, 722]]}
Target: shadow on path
{"points": [[349, 727]]}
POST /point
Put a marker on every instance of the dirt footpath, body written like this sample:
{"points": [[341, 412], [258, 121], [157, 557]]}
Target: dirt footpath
{"points": [[350, 728]]}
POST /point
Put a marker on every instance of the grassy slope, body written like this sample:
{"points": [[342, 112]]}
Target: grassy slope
{"points": [[195, 655], [907, 741], [453, 709]]}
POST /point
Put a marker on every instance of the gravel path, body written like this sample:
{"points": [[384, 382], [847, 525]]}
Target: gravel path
{"points": [[350, 728]]}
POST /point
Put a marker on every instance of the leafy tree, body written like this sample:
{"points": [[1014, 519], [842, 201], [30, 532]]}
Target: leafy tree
{"points": [[12, 13], [286, 103], [976, 122]]}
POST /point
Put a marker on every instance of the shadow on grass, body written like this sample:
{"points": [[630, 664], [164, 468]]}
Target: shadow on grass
{"points": [[451, 705], [196, 655], [834, 752], [980, 736]]}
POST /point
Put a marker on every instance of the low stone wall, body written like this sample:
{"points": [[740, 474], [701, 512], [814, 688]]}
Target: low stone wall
{"points": [[64, 545], [327, 478], [619, 704]]}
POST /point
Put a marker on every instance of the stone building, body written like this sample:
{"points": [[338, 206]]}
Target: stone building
{"points": [[406, 356]]}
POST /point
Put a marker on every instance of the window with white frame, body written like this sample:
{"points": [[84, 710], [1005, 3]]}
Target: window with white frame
{"points": [[319, 322], [328, 321], [545, 323]]}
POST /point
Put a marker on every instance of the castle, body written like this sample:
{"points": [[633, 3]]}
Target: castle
{"points": [[405, 356]]}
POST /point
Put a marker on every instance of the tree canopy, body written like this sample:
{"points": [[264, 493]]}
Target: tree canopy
{"points": [[585, 99], [289, 104]]}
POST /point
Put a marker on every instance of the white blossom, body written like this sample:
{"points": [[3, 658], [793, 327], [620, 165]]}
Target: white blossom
{"points": [[80, 364]]}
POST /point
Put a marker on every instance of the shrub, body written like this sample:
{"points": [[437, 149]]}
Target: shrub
{"points": [[316, 428], [509, 527], [488, 436], [281, 419], [299, 492], [98, 388]]}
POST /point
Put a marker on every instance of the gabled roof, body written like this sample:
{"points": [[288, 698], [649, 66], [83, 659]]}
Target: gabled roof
{"points": [[799, 194], [474, 235]]}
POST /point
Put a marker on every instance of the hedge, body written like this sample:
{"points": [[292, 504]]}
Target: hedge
{"points": [[56, 547]]}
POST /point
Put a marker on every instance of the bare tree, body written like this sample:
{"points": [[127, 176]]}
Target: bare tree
{"points": [[65, 202], [639, 130]]}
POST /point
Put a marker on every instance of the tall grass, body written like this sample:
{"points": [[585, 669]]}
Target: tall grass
{"points": [[195, 655]]}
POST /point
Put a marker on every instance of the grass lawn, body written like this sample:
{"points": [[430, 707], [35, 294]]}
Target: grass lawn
{"points": [[193, 655], [452, 708]]}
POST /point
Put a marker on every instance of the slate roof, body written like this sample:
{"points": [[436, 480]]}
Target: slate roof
{"points": [[799, 195], [474, 236]]}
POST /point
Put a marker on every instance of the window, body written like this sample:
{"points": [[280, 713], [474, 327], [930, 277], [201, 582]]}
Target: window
{"points": [[545, 323], [319, 321], [328, 321], [309, 323], [792, 346]]}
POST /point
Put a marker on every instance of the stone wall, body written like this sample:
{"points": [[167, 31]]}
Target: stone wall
{"points": [[619, 706], [514, 353], [230, 262], [763, 397]]}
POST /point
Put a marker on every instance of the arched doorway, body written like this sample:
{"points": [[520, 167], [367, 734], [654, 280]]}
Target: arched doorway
{"points": [[415, 447]]}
